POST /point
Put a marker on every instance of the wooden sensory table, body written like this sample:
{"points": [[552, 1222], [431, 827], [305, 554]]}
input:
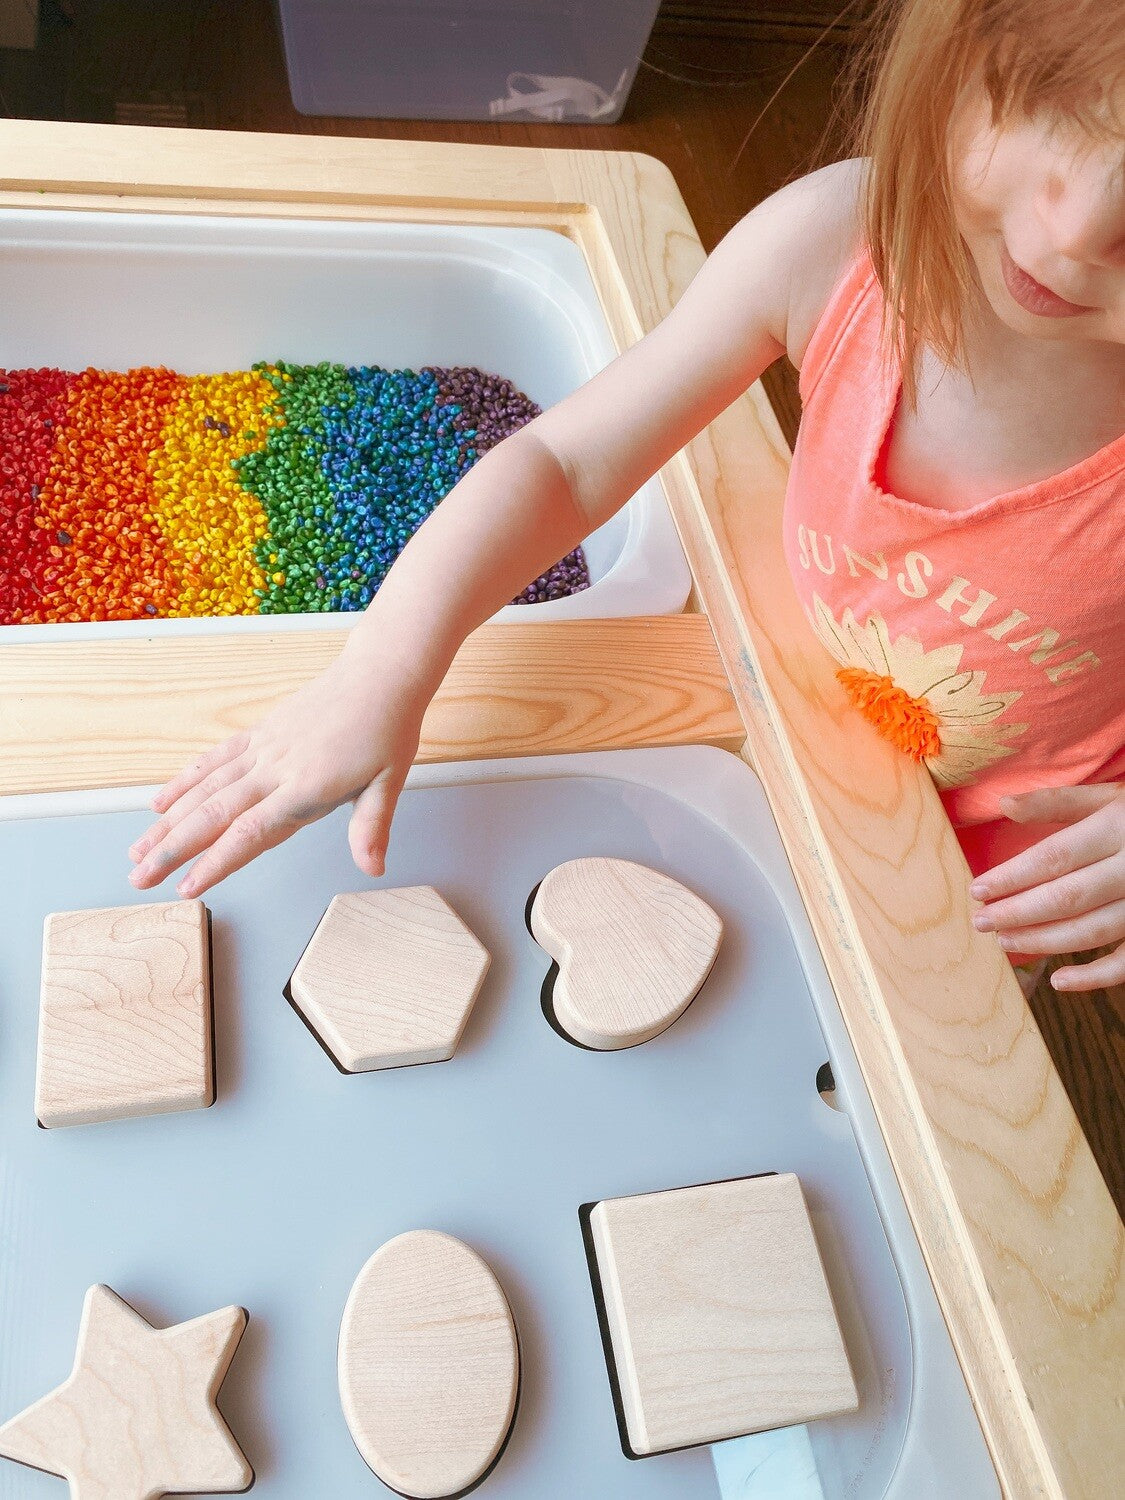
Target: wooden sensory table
{"points": [[1020, 1235]]}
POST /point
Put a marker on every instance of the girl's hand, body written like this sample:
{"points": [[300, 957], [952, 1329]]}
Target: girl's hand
{"points": [[344, 737], [1067, 893]]}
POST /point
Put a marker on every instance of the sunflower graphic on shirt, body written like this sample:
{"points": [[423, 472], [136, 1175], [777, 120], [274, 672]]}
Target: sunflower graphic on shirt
{"points": [[919, 700]]}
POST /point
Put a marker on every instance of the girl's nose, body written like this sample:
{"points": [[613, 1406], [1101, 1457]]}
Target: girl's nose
{"points": [[1083, 210]]}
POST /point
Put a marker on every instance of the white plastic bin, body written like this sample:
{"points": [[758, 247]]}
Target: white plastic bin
{"points": [[568, 60], [201, 294]]}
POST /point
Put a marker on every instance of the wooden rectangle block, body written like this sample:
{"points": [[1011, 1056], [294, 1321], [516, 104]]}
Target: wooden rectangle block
{"points": [[719, 1315], [125, 1013]]}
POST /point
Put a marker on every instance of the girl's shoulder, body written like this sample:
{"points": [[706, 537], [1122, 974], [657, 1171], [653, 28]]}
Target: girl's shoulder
{"points": [[819, 219]]}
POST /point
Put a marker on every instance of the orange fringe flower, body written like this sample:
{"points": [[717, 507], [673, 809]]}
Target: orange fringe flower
{"points": [[908, 722]]}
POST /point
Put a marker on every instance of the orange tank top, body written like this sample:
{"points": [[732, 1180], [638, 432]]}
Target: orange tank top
{"points": [[987, 643]]}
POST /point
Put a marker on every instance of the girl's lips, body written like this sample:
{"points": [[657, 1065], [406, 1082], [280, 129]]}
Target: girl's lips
{"points": [[1033, 296]]}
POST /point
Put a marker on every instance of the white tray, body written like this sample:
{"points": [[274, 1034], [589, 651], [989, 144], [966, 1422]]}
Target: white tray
{"points": [[276, 1196], [202, 294]]}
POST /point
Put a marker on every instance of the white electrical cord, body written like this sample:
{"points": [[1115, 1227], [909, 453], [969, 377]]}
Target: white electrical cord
{"points": [[556, 99]]}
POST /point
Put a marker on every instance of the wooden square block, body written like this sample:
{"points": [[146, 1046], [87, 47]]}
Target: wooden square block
{"points": [[719, 1315], [125, 1013]]}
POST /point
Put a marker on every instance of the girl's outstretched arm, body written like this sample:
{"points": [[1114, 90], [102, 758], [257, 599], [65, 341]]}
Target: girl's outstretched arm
{"points": [[352, 733]]}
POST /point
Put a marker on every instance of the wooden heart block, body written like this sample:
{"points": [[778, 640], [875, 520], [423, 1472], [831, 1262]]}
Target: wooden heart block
{"points": [[389, 978], [124, 1013], [718, 1311], [137, 1418], [429, 1365], [632, 945]]}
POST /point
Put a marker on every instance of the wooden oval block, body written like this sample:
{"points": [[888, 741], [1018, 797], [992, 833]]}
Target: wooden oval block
{"points": [[428, 1365], [633, 947]]}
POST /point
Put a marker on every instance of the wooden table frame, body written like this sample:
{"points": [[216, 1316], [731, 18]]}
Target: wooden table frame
{"points": [[1020, 1235]]}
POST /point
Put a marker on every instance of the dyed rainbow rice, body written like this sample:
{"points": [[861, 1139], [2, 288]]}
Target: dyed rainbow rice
{"points": [[278, 490]]}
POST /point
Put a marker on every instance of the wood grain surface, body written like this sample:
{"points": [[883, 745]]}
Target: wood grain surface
{"points": [[720, 1316], [1021, 1237], [120, 713], [124, 1013], [137, 1417], [389, 978], [428, 1365], [632, 947]]}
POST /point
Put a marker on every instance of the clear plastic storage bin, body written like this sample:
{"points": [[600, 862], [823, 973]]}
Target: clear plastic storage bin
{"points": [[553, 60]]}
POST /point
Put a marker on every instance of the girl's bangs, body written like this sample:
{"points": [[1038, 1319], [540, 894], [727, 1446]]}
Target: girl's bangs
{"points": [[1073, 72]]}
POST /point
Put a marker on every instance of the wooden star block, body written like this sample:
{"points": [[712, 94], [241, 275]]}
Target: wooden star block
{"points": [[632, 945], [137, 1418], [125, 1013], [719, 1316], [389, 978]]}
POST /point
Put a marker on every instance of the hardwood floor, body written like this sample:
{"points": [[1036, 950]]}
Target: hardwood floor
{"points": [[732, 115]]}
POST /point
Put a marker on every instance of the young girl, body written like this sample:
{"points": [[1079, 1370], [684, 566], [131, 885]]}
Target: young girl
{"points": [[955, 518]]}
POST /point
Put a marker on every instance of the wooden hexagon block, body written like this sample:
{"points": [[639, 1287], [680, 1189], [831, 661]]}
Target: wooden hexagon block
{"points": [[429, 1365], [718, 1313], [125, 1013], [632, 945], [389, 978]]}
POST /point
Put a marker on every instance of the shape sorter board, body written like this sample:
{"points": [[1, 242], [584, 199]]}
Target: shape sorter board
{"points": [[276, 1196]]}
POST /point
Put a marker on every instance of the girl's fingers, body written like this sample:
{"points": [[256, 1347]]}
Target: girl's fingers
{"points": [[1093, 930], [370, 826], [1058, 854], [1058, 804], [259, 828], [201, 828], [1098, 974], [210, 760], [226, 774], [1084, 889]]}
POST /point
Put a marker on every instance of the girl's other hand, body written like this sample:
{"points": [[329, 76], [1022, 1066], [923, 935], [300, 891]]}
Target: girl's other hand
{"points": [[344, 737], [1065, 894]]}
